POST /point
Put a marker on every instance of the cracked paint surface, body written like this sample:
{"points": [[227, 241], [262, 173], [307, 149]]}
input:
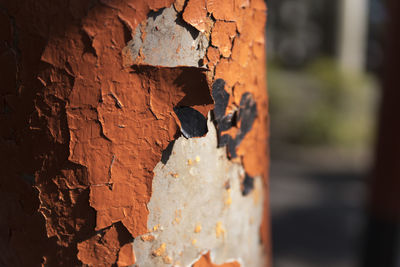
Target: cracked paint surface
{"points": [[202, 209], [83, 128]]}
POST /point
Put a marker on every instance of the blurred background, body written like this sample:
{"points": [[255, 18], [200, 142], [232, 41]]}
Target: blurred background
{"points": [[324, 62]]}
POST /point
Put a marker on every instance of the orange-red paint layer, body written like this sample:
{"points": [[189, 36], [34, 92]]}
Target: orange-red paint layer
{"points": [[196, 15], [205, 261], [81, 132]]}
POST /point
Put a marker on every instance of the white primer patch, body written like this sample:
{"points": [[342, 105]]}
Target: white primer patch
{"points": [[168, 41], [197, 206]]}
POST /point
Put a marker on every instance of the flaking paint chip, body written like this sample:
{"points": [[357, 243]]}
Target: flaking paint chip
{"points": [[160, 251], [228, 198], [219, 230], [148, 238], [197, 229], [156, 227], [194, 241]]}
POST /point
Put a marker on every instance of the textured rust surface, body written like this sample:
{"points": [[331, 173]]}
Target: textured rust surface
{"points": [[81, 131]]}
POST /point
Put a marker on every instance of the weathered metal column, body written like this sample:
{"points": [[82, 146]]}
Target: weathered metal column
{"points": [[133, 132]]}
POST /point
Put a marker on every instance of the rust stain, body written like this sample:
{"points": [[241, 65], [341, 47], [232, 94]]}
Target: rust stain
{"points": [[205, 261]]}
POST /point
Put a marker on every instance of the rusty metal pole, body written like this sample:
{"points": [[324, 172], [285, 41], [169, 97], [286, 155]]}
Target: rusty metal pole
{"points": [[133, 132]]}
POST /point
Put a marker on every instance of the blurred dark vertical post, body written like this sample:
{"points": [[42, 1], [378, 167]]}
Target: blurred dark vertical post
{"points": [[382, 236]]}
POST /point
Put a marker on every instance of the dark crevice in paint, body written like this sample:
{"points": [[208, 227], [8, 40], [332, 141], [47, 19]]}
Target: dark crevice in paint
{"points": [[192, 30], [127, 31], [87, 42], [124, 236], [221, 99], [193, 91], [194, 84], [244, 117], [167, 152], [191, 81], [193, 123], [247, 185], [154, 14]]}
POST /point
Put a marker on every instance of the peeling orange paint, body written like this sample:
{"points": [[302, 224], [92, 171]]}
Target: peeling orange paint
{"points": [[222, 10], [179, 4], [100, 250], [196, 15], [222, 36], [205, 261], [126, 256], [83, 129], [213, 57]]}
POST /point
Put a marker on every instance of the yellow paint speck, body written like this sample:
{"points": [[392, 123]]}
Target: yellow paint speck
{"points": [[219, 230], [156, 227], [194, 241], [228, 199], [160, 251], [197, 159], [190, 162], [197, 229]]}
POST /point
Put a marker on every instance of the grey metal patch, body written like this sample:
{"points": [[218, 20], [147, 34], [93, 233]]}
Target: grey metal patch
{"points": [[168, 41], [197, 205]]}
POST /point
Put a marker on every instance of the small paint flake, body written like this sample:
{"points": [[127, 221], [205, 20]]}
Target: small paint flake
{"points": [[160, 251], [178, 216], [173, 174], [219, 230], [197, 229], [197, 159], [190, 162], [156, 227], [148, 238], [167, 260], [194, 241], [228, 199]]}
